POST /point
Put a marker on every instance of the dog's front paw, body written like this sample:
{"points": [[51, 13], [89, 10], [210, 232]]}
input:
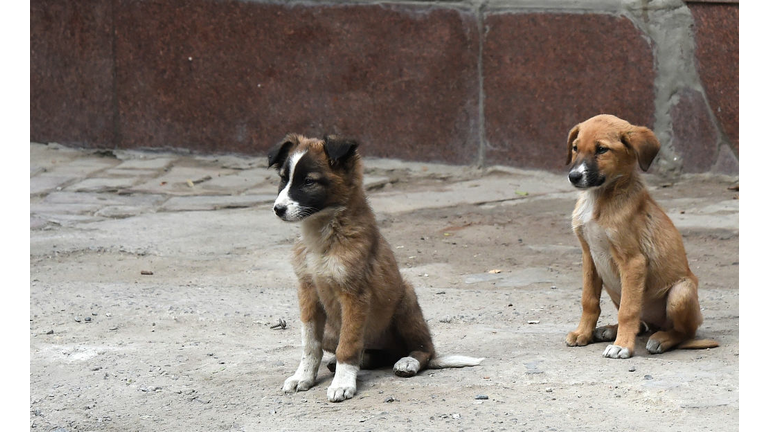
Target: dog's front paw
{"points": [[575, 338], [341, 393], [406, 367], [297, 383], [616, 352], [344, 382]]}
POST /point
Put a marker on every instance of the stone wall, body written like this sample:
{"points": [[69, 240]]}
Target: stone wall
{"points": [[462, 82]]}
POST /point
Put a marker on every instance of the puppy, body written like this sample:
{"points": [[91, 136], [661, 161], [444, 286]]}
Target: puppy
{"points": [[352, 298], [629, 245]]}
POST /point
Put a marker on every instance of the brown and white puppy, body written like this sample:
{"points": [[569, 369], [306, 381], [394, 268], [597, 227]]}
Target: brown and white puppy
{"points": [[352, 298], [629, 245]]}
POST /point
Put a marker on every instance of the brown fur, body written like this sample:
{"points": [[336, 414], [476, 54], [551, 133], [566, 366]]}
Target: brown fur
{"points": [[347, 269], [352, 297], [645, 255]]}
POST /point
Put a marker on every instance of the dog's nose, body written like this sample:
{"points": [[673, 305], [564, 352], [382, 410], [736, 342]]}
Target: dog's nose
{"points": [[575, 176], [280, 209]]}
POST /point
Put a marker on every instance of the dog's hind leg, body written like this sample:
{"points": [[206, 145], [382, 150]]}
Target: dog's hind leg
{"points": [[608, 333], [312, 328], [683, 312], [413, 330], [372, 359]]}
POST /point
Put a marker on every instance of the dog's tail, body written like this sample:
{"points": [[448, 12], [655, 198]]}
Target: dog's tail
{"points": [[698, 344], [454, 361]]}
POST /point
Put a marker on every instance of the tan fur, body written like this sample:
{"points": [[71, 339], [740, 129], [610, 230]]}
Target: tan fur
{"points": [[629, 245]]}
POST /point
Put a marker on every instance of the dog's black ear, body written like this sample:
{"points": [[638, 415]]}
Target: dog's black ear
{"points": [[644, 143], [571, 138], [339, 149], [279, 151]]}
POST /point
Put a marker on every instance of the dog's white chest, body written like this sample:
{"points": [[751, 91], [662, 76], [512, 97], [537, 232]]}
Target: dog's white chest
{"points": [[326, 267], [599, 247]]}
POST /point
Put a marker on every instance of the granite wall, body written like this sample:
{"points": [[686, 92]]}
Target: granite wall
{"points": [[465, 82]]}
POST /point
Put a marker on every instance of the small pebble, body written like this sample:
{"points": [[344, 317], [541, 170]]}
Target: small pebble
{"points": [[49, 332], [632, 369], [648, 377], [389, 399], [87, 319], [77, 319], [481, 397]]}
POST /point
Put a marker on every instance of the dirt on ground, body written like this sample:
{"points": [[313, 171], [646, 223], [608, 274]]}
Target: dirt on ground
{"points": [[171, 320]]}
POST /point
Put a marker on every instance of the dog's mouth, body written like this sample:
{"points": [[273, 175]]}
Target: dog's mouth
{"points": [[586, 179], [293, 213]]}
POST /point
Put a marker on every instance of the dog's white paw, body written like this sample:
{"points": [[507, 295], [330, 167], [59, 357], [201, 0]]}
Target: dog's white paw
{"points": [[344, 384], [406, 367], [297, 383], [338, 394], [616, 351]]}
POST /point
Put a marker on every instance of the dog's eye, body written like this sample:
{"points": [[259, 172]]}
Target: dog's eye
{"points": [[309, 181], [575, 148], [601, 150]]}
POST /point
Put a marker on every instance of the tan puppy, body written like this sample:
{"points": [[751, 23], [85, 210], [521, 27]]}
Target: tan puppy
{"points": [[629, 245], [352, 298]]}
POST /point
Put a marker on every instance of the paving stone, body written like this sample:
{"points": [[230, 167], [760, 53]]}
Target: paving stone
{"points": [[487, 190], [240, 181], [46, 183], [64, 208], [214, 202], [81, 167], [146, 163], [67, 220], [374, 182], [514, 278], [102, 184], [37, 222], [236, 162], [175, 181], [122, 211], [131, 172], [103, 199]]}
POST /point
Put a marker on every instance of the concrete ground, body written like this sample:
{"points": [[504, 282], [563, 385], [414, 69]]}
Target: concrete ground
{"points": [[159, 282]]}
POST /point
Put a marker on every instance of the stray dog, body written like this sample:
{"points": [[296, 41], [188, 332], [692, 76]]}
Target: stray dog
{"points": [[629, 245], [352, 298]]}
